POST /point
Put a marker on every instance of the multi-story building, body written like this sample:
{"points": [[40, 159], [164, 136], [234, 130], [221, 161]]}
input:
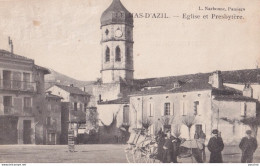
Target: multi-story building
{"points": [[53, 118], [74, 106], [202, 98], [21, 96]]}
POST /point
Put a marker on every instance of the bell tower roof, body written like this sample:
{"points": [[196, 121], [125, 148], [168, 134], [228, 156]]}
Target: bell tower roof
{"points": [[116, 13]]}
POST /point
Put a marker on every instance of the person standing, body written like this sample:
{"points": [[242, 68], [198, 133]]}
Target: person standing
{"points": [[168, 148], [248, 145], [160, 139], [215, 147]]}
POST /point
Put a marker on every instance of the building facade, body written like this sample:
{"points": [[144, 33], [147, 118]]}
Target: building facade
{"points": [[21, 96], [73, 108], [207, 103], [53, 118]]}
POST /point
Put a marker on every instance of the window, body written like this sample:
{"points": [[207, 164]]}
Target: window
{"points": [[196, 107], [126, 114], [85, 107], [75, 106], [107, 31], [7, 103], [118, 54], [183, 105], [167, 127], [48, 121], [243, 107], [167, 110], [49, 107], [150, 110], [27, 102], [127, 55], [26, 80], [107, 54]]}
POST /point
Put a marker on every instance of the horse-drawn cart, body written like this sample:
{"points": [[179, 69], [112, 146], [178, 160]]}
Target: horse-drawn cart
{"points": [[141, 148]]}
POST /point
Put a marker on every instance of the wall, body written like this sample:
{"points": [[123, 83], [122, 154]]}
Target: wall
{"points": [[113, 133], [36, 111], [64, 122], [124, 68], [60, 92], [231, 133], [107, 91], [54, 112], [139, 108], [256, 89]]}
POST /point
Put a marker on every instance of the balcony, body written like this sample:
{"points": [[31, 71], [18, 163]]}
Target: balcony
{"points": [[14, 85], [27, 110], [10, 110]]}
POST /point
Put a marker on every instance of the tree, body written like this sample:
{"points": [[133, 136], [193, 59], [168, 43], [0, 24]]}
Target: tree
{"points": [[92, 119], [146, 123], [189, 121], [252, 122], [231, 121]]}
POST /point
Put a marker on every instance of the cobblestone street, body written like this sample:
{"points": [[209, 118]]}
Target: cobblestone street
{"points": [[106, 153]]}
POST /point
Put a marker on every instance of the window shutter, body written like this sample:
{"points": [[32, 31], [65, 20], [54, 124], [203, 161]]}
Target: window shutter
{"points": [[152, 110], [200, 107], [181, 108], [172, 110], [185, 107], [162, 110], [242, 109]]}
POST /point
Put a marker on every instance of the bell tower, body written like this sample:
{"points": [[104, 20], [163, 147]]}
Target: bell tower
{"points": [[117, 44]]}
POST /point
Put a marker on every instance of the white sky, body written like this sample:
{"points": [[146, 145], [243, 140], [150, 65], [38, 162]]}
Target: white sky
{"points": [[65, 35]]}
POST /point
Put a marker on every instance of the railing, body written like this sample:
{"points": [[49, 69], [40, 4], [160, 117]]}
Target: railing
{"points": [[17, 85], [10, 110], [27, 110]]}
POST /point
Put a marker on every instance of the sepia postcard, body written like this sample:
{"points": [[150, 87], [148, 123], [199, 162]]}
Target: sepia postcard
{"points": [[129, 81]]}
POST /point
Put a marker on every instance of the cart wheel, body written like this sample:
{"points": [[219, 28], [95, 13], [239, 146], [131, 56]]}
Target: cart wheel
{"points": [[129, 153]]}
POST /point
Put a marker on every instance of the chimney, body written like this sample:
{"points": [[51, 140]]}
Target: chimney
{"points": [[248, 90], [258, 78], [216, 79]]}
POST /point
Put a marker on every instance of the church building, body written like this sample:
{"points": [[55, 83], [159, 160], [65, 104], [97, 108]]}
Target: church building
{"points": [[124, 103]]}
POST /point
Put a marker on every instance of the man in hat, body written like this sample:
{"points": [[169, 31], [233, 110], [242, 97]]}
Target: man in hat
{"points": [[168, 148], [215, 147], [248, 145]]}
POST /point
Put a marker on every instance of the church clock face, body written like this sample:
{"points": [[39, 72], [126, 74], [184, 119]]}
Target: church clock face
{"points": [[118, 33]]}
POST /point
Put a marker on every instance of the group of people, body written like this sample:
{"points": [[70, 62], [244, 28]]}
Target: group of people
{"points": [[169, 147]]}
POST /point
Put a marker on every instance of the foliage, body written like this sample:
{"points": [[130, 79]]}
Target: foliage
{"points": [[146, 123], [92, 119], [230, 121], [252, 122], [188, 120], [177, 130], [167, 120], [112, 125]]}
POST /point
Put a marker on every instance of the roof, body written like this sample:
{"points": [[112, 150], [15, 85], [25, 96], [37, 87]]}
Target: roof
{"points": [[234, 76], [109, 16], [234, 98], [242, 76], [45, 70], [8, 54], [124, 100], [5, 53], [49, 95], [72, 89]]}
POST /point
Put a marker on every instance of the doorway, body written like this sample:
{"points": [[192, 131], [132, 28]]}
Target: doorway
{"points": [[27, 132]]}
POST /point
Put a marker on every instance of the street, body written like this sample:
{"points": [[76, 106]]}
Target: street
{"points": [[92, 153]]}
